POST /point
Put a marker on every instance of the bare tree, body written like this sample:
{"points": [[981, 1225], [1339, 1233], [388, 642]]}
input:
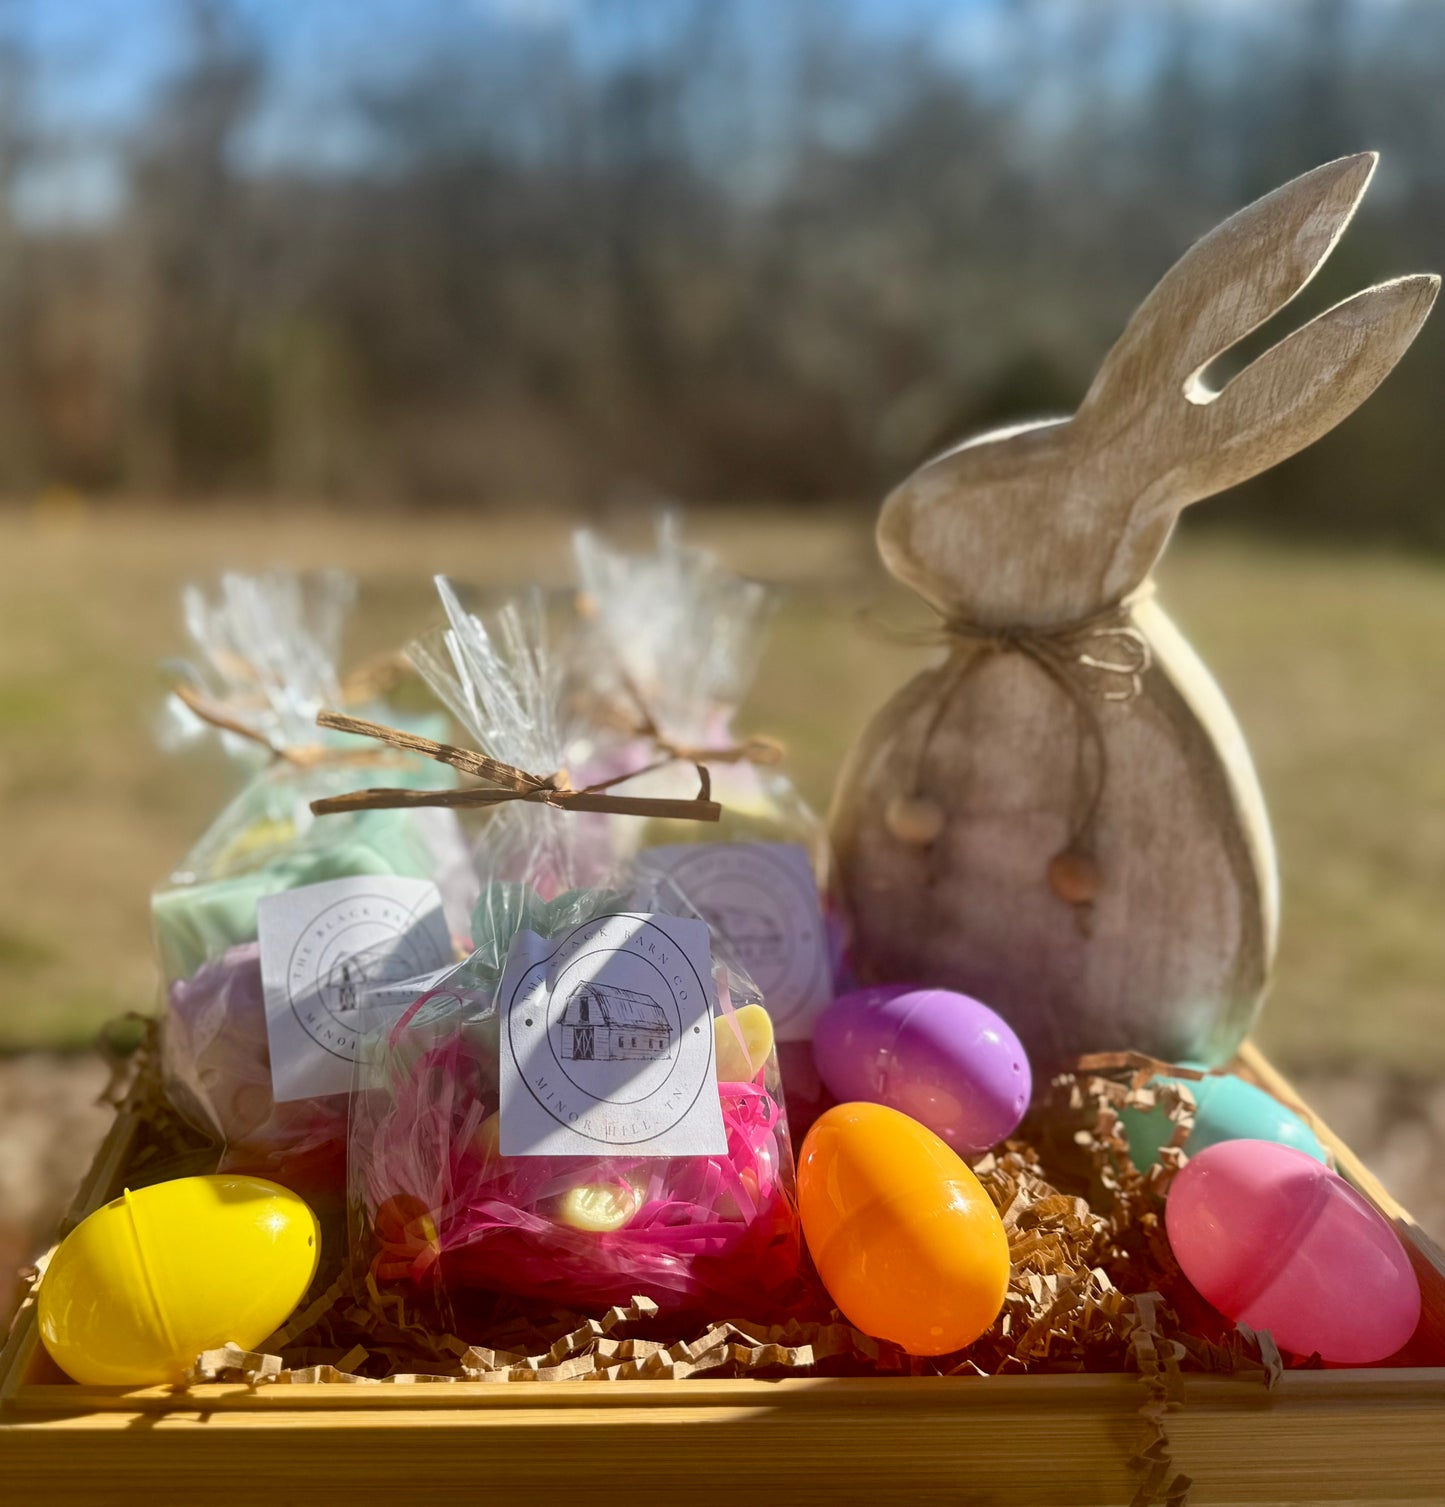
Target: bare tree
{"points": [[743, 250]]}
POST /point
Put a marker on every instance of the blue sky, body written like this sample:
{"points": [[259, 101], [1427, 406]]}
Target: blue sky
{"points": [[96, 65], [94, 68]]}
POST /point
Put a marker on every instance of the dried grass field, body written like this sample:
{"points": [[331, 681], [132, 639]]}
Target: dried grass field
{"points": [[1333, 662]]}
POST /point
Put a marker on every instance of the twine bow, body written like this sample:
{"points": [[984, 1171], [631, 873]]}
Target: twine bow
{"points": [[1102, 657], [504, 782], [302, 755], [367, 681], [756, 749], [1064, 652]]}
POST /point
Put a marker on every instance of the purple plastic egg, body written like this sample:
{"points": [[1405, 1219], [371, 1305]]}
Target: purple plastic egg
{"points": [[1275, 1240], [942, 1058]]}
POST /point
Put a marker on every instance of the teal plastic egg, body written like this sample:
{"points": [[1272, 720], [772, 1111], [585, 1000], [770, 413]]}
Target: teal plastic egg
{"points": [[1229, 1109]]}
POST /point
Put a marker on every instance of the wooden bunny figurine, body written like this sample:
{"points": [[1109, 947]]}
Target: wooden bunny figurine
{"points": [[1061, 818]]}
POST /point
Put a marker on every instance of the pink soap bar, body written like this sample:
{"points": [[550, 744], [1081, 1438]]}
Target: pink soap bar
{"points": [[1275, 1240]]}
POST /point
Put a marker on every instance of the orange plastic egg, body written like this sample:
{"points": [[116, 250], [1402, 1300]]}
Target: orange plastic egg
{"points": [[906, 1240]]}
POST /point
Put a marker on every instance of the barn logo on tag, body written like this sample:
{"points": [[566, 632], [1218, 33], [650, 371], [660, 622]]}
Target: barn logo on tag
{"points": [[607, 1040]]}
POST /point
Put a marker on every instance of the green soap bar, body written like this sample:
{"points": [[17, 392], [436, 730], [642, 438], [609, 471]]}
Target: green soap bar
{"points": [[253, 849], [197, 922]]}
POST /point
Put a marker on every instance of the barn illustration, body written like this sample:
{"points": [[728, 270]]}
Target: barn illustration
{"points": [[757, 935], [343, 982], [602, 1023]]}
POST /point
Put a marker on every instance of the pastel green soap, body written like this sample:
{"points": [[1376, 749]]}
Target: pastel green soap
{"points": [[196, 922], [1229, 1109], [265, 842]]}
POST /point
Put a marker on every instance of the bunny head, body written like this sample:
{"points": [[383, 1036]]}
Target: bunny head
{"points": [[1045, 525]]}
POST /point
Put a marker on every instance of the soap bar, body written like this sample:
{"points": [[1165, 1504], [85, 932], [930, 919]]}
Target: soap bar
{"points": [[598, 1207], [198, 921], [218, 1074], [218, 1060], [743, 1041]]}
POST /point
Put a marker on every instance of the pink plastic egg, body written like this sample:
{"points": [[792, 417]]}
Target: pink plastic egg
{"points": [[1275, 1240]]}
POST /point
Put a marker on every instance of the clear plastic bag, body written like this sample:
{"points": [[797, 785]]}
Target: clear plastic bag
{"points": [[677, 642], [440, 1208], [270, 646]]}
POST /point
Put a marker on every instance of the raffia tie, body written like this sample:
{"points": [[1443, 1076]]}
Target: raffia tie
{"points": [[302, 755], [757, 749], [368, 680], [1100, 658], [504, 782]]}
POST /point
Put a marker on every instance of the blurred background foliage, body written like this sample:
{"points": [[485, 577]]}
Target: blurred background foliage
{"points": [[426, 252]]}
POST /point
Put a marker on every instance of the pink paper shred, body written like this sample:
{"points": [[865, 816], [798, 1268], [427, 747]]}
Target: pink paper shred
{"points": [[709, 1232]]}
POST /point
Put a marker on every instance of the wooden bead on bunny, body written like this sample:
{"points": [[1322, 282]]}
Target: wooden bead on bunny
{"points": [[1061, 817]]}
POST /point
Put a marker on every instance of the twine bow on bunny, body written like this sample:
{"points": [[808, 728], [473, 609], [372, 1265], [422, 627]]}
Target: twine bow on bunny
{"points": [[1103, 657]]}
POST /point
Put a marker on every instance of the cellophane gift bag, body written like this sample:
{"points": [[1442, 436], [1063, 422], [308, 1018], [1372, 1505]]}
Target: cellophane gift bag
{"points": [[589, 1108], [676, 641], [269, 647]]}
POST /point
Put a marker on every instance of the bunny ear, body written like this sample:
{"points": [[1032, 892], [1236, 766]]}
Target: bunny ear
{"points": [[1302, 387], [1229, 282]]}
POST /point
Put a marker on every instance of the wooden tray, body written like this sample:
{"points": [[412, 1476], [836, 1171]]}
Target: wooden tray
{"points": [[1358, 1436]]}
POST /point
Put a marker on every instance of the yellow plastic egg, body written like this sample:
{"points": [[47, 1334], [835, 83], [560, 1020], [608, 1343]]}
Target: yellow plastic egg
{"points": [[137, 1290]]}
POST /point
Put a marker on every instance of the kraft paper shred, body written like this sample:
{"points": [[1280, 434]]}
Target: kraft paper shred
{"points": [[1093, 1288]]}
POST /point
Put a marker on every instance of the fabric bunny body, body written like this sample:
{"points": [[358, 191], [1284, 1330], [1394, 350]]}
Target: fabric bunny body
{"points": [[1061, 818], [1174, 951]]}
